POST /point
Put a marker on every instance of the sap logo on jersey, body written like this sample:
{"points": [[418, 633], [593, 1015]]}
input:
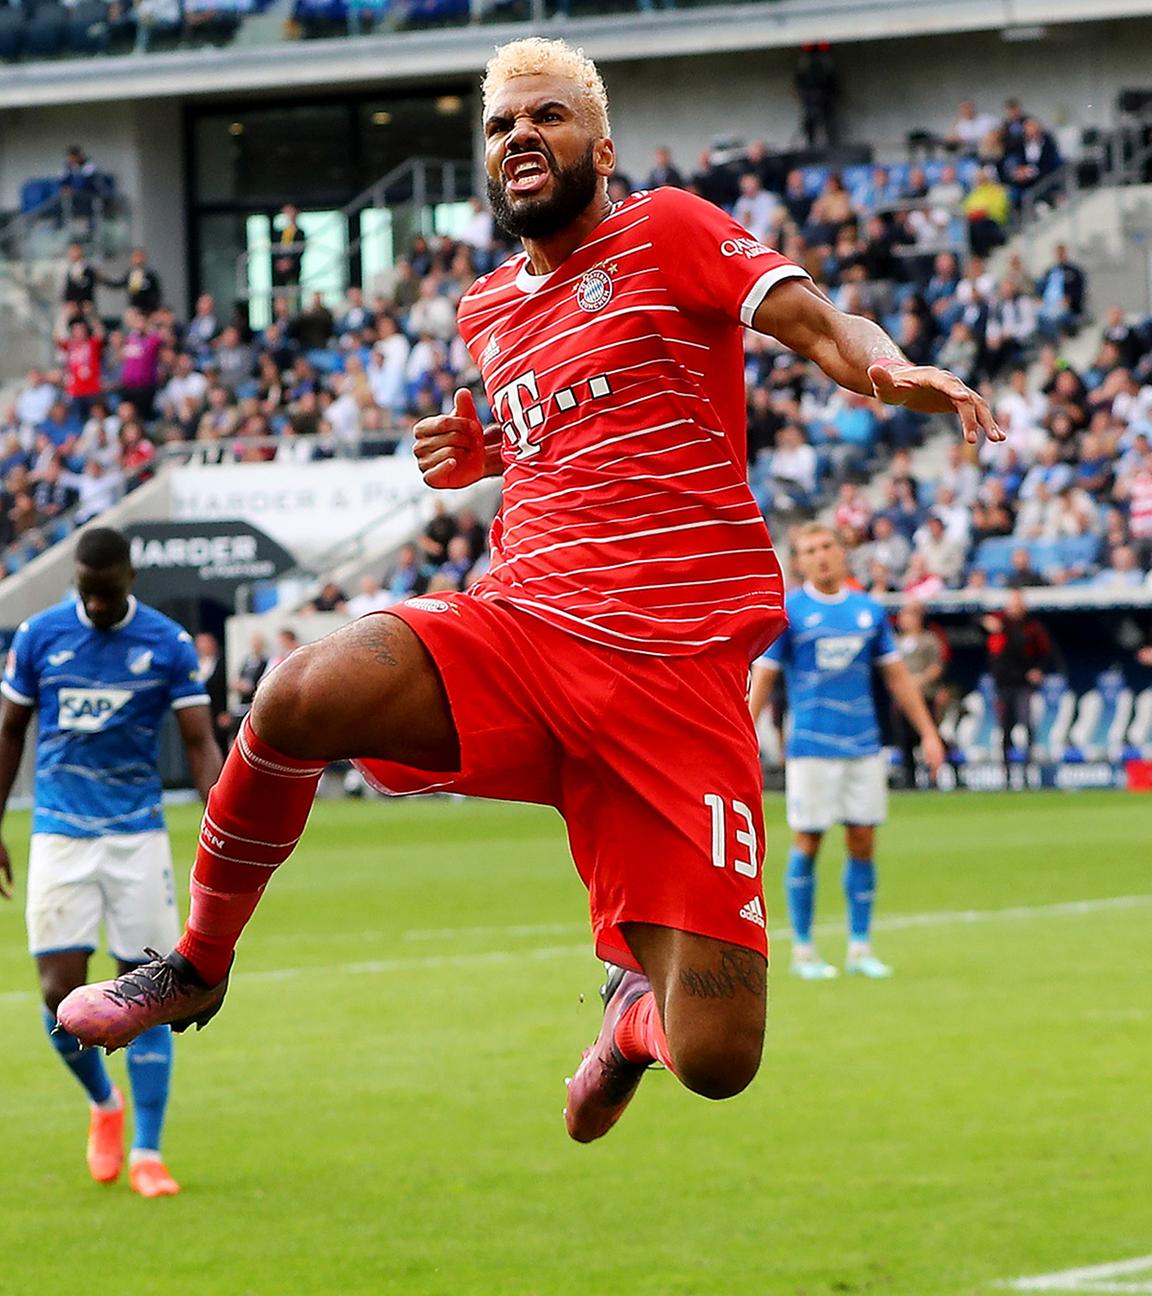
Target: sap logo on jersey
{"points": [[745, 247], [88, 710], [837, 652]]}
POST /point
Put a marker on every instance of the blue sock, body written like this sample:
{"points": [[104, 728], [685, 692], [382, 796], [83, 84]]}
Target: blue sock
{"points": [[859, 888], [801, 883], [86, 1066], [149, 1071]]}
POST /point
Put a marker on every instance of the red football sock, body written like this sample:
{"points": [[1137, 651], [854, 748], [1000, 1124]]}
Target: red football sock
{"points": [[640, 1035], [256, 814]]}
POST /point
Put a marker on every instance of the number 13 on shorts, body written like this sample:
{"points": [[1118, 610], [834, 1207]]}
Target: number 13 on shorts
{"points": [[744, 856]]}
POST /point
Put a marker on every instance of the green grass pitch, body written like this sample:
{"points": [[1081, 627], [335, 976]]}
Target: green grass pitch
{"points": [[377, 1109]]}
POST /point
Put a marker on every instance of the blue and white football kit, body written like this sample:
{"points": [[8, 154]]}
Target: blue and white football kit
{"points": [[99, 848], [835, 771]]}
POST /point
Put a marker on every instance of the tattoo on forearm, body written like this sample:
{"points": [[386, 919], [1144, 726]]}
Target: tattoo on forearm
{"points": [[739, 969]]}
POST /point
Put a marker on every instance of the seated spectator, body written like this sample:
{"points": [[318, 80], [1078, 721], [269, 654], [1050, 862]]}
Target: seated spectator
{"points": [[1122, 571], [1032, 159], [1022, 574], [186, 383], [988, 209], [233, 360], [52, 495], [756, 209], [314, 325], [1050, 469], [664, 172], [35, 399], [1011, 331], [796, 201], [1061, 293], [850, 434], [941, 555], [919, 582], [886, 549], [432, 315], [330, 599], [1022, 409], [853, 512], [203, 326], [960, 352], [371, 598], [137, 451], [97, 488], [457, 563], [831, 210], [970, 129], [793, 467], [355, 316]]}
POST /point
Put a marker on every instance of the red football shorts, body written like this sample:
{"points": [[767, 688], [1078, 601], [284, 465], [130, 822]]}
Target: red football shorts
{"points": [[652, 761]]}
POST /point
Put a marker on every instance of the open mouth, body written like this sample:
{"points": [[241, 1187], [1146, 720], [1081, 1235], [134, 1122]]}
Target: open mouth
{"points": [[526, 173]]}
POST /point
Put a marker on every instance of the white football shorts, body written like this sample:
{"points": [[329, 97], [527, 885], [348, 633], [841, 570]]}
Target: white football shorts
{"points": [[822, 792], [124, 880]]}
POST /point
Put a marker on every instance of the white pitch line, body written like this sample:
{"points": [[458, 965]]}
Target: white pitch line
{"points": [[1094, 1278], [894, 922], [897, 922]]}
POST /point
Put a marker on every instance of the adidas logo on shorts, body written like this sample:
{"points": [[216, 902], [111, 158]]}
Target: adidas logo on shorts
{"points": [[754, 911]]}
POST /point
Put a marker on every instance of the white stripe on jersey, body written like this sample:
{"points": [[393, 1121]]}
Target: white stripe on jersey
{"points": [[635, 535]]}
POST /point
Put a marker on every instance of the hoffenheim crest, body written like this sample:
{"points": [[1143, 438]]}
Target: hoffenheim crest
{"points": [[594, 290]]}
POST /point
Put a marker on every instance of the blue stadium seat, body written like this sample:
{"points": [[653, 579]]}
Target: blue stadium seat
{"points": [[44, 35], [1102, 718], [994, 557], [11, 33], [88, 30], [978, 730], [1053, 707]]}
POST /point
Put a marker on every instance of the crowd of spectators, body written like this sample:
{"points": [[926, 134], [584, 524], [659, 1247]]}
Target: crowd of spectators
{"points": [[348, 376]]}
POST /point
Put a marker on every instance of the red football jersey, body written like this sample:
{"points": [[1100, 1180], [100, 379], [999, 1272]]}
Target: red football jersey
{"points": [[619, 382]]}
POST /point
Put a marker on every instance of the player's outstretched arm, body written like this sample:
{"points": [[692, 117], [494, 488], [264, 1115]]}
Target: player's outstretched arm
{"points": [[14, 720], [910, 700], [455, 450], [859, 355], [204, 759]]}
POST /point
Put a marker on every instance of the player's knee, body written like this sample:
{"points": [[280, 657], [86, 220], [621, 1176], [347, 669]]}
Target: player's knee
{"points": [[290, 705], [718, 1066]]}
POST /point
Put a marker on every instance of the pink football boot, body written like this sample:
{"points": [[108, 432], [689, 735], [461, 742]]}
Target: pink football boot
{"points": [[604, 1081], [165, 992]]}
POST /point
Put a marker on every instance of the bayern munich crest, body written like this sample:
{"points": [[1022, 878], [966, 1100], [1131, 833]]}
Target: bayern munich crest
{"points": [[594, 291]]}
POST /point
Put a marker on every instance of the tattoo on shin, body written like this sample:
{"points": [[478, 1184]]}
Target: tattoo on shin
{"points": [[738, 969]]}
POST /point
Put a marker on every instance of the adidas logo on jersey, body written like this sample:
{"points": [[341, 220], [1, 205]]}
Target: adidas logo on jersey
{"points": [[88, 710], [754, 911]]}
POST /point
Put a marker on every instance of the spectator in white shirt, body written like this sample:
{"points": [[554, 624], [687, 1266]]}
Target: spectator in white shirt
{"points": [[432, 312], [756, 208], [370, 599], [970, 129], [794, 461], [1123, 570], [478, 229], [35, 399], [186, 382]]}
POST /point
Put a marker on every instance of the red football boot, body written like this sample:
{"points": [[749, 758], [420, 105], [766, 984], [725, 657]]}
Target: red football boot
{"points": [[604, 1081]]}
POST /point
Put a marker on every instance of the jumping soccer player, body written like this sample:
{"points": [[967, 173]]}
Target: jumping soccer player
{"points": [[102, 671], [835, 771], [600, 665]]}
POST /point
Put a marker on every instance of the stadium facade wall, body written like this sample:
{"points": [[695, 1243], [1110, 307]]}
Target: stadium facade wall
{"points": [[140, 143], [1071, 77]]}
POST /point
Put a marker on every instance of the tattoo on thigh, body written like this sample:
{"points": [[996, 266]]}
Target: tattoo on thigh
{"points": [[378, 639], [738, 969]]}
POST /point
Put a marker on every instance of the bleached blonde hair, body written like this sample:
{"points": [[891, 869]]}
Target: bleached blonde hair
{"points": [[538, 56]]}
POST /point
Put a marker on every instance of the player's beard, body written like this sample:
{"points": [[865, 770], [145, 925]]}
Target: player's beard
{"points": [[573, 189]]}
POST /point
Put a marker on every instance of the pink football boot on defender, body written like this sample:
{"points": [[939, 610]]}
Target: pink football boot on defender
{"points": [[165, 992], [604, 1081]]}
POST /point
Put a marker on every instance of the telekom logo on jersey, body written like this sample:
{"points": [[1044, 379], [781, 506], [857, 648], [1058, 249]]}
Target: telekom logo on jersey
{"points": [[520, 408], [517, 407]]}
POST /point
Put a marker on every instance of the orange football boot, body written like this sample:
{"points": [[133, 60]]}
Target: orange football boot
{"points": [[106, 1142], [151, 1178]]}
